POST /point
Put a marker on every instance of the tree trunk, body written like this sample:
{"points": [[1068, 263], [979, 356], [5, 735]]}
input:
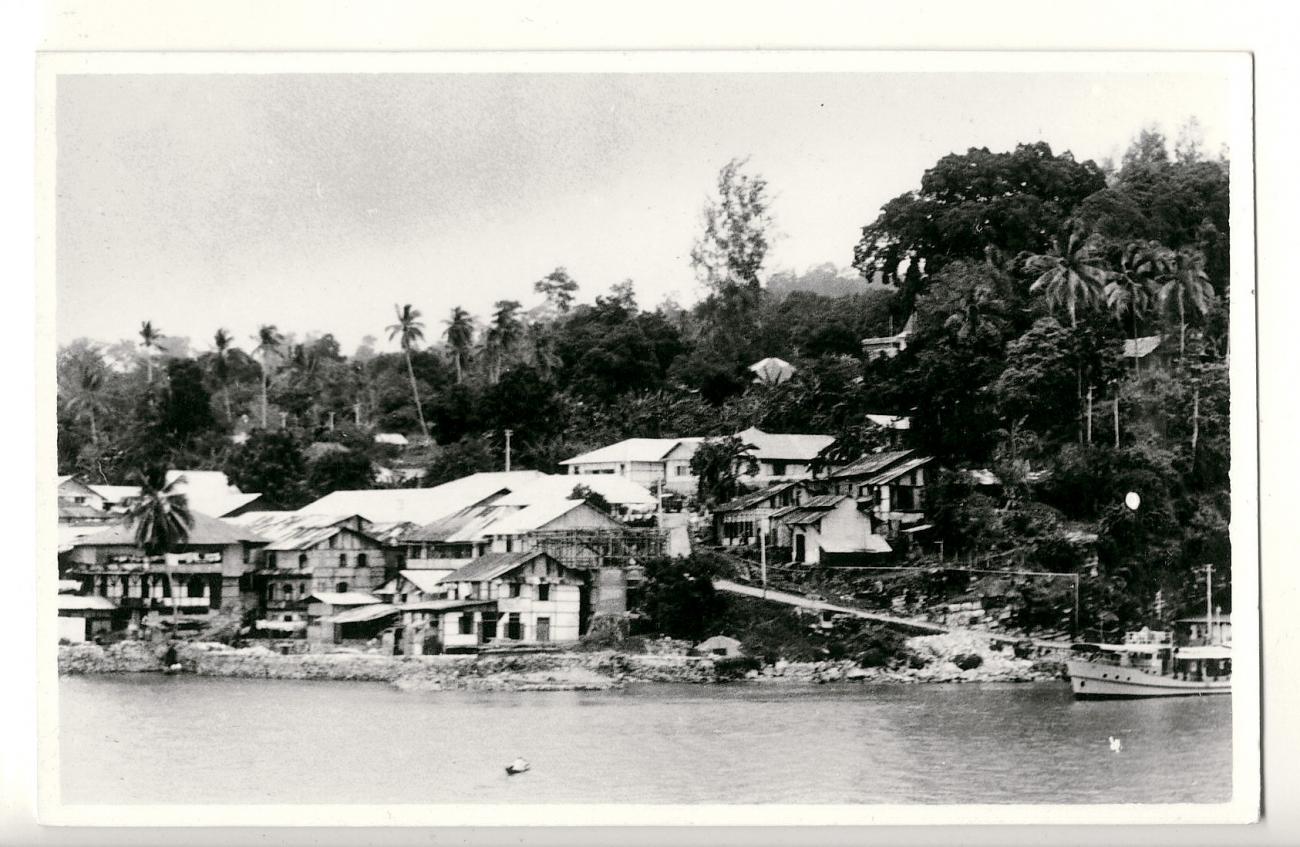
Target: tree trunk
{"points": [[94, 433], [1137, 369], [415, 392], [1117, 415], [264, 401], [1196, 418], [1182, 328], [225, 393], [458, 372], [1089, 425]]}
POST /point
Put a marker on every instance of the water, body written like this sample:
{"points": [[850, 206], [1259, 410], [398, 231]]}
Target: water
{"points": [[154, 739]]}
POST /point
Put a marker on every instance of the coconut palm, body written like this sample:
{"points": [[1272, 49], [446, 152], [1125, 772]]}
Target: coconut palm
{"points": [[1131, 290], [411, 332], [268, 340], [161, 520], [1069, 275], [149, 336], [460, 337], [221, 347], [980, 308], [503, 335], [1187, 287], [87, 397]]}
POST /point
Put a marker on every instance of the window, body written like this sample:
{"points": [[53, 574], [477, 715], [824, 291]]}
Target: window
{"points": [[270, 559], [510, 544], [195, 587], [543, 592], [334, 541], [414, 552], [778, 468], [680, 470], [361, 560], [341, 588], [302, 560], [343, 560], [514, 589], [466, 623]]}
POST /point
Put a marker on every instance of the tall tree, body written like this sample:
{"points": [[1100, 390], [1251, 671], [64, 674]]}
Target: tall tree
{"points": [[731, 251], [1072, 273], [161, 521], [268, 340], [503, 335], [1131, 290], [149, 338], [1187, 287], [222, 344], [87, 397], [460, 338], [717, 465], [410, 331], [558, 287]]}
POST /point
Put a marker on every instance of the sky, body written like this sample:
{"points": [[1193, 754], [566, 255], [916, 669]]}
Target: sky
{"points": [[317, 202]]}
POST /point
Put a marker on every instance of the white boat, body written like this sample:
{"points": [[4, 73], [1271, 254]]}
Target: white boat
{"points": [[1159, 669]]}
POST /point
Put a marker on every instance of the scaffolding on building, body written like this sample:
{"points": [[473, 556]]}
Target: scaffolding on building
{"points": [[602, 548]]}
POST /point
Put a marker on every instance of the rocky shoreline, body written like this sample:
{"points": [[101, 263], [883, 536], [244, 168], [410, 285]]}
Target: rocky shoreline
{"points": [[953, 658]]}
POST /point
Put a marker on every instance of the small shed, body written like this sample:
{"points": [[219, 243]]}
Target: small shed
{"points": [[81, 618], [719, 645]]}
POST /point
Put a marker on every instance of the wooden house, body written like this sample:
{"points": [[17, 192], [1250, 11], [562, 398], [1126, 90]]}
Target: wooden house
{"points": [[891, 482], [738, 522], [654, 463], [781, 456], [531, 596], [824, 528]]}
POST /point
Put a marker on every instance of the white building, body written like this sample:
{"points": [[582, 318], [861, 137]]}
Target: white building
{"points": [[526, 596], [782, 456], [421, 506], [649, 462], [824, 526]]}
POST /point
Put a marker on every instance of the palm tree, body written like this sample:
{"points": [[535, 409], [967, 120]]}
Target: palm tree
{"points": [[161, 520], [1070, 276], [980, 308], [411, 332], [504, 333], [149, 336], [88, 397], [268, 340], [1132, 289], [1187, 286], [718, 463], [460, 336], [221, 343]]}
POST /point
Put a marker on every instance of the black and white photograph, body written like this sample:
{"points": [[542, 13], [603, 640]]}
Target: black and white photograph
{"points": [[496, 433]]}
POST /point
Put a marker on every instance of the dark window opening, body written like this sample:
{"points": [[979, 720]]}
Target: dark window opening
{"points": [[543, 592], [341, 588]]}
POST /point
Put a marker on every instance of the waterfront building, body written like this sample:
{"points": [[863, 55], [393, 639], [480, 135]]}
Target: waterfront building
{"points": [[827, 529], [82, 618], [212, 568], [892, 485], [523, 596]]}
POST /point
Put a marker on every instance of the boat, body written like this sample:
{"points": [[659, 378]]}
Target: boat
{"points": [[1132, 670]]}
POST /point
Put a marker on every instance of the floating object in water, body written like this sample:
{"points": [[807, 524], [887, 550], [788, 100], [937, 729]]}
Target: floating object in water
{"points": [[517, 766], [1115, 744]]}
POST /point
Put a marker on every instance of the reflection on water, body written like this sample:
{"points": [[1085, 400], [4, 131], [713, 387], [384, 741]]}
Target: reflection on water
{"points": [[155, 739]]}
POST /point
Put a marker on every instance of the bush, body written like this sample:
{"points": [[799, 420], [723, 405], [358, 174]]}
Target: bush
{"points": [[607, 632], [968, 661], [432, 645], [735, 667]]}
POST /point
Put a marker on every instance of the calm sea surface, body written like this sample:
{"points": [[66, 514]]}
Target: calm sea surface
{"points": [[154, 739]]}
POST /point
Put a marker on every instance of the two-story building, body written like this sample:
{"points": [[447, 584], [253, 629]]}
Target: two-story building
{"points": [[210, 569], [893, 484], [781, 456], [738, 522], [654, 463], [307, 554], [525, 596]]}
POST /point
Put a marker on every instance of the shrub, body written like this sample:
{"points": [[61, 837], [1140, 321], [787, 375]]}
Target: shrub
{"points": [[968, 661], [735, 667]]}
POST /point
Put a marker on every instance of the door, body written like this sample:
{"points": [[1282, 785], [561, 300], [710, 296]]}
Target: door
{"points": [[799, 548], [543, 629]]}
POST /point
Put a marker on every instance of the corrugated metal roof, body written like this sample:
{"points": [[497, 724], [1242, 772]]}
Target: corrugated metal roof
{"points": [[430, 581], [390, 533], [294, 531], [85, 603], [617, 490], [419, 506], [442, 605], [115, 493], [785, 445], [205, 531], [537, 516], [872, 463], [457, 523], [346, 598], [633, 450], [1140, 348], [491, 566], [753, 498], [810, 511], [898, 470], [363, 613]]}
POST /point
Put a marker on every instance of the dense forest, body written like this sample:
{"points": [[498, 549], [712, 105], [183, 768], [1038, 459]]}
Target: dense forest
{"points": [[1025, 271]]}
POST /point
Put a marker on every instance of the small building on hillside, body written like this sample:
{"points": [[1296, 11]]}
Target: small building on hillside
{"points": [[211, 569], [738, 522], [892, 482], [650, 462], [782, 455], [889, 346], [772, 371], [72, 492], [1150, 351], [306, 554], [720, 645], [827, 528], [116, 498]]}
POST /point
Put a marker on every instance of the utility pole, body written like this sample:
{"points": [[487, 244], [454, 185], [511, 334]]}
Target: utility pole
{"points": [[1209, 601], [331, 420], [762, 552], [1089, 429], [509, 432], [1196, 414], [1117, 415]]}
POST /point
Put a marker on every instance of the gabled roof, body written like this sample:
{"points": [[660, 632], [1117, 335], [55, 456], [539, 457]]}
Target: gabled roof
{"points": [[390, 533], [1140, 348], [872, 463], [538, 515], [491, 566], [209, 492], [205, 531], [753, 498], [772, 370], [430, 581], [294, 531], [810, 511], [798, 447], [617, 490], [113, 494], [465, 525], [633, 450], [442, 605], [891, 421], [358, 614], [896, 471], [420, 505]]}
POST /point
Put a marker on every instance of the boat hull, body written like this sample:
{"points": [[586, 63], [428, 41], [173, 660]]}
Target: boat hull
{"points": [[1091, 681]]}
